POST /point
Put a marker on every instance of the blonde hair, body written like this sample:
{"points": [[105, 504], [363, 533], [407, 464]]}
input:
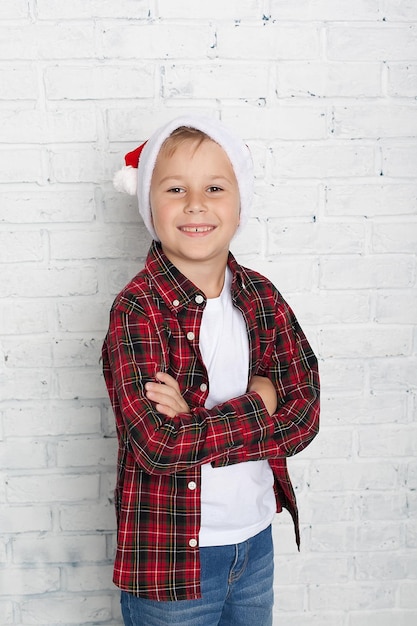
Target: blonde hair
{"points": [[181, 135]]}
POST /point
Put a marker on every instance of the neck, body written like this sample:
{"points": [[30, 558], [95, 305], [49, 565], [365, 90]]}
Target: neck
{"points": [[208, 276]]}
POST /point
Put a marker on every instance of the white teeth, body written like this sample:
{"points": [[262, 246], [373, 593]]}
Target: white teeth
{"points": [[196, 229]]}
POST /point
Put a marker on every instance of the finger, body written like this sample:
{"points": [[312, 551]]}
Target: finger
{"points": [[168, 380]]}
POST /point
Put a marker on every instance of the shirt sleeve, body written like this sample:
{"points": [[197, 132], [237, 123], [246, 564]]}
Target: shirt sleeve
{"points": [[293, 368], [160, 444]]}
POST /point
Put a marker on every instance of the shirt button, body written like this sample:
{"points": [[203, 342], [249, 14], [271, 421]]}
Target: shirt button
{"points": [[175, 302], [192, 485], [203, 387], [190, 336], [192, 543], [199, 299]]}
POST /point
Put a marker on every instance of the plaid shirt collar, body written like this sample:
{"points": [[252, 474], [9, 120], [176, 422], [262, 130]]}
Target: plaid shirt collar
{"points": [[174, 288]]}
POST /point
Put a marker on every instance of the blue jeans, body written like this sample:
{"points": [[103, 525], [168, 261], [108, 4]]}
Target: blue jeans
{"points": [[237, 590]]}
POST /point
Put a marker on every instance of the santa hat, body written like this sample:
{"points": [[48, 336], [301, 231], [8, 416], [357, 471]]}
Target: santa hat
{"points": [[136, 176]]}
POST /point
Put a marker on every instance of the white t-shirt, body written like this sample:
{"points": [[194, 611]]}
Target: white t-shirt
{"points": [[237, 501]]}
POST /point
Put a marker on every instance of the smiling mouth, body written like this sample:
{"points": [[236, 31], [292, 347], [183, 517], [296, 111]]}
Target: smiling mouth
{"points": [[196, 229]]}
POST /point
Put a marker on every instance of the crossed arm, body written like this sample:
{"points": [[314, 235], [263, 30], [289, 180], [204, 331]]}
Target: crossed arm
{"points": [[167, 398]]}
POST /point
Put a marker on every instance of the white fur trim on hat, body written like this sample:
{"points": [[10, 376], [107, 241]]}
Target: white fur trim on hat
{"points": [[234, 147]]}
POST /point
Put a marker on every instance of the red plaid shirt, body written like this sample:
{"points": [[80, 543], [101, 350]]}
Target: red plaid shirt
{"points": [[154, 325]]}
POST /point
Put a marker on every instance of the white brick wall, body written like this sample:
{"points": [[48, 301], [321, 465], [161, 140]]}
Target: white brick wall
{"points": [[324, 92]]}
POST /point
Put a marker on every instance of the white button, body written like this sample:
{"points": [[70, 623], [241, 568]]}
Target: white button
{"points": [[175, 302], [190, 336], [192, 485], [203, 387], [192, 543], [199, 299]]}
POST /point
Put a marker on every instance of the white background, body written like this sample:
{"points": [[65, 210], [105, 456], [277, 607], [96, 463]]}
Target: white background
{"points": [[324, 93]]}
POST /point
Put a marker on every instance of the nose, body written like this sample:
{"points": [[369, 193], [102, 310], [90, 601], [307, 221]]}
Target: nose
{"points": [[195, 203]]}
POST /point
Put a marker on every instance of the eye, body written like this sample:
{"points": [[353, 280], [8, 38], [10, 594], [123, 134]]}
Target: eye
{"points": [[214, 188], [175, 190]]}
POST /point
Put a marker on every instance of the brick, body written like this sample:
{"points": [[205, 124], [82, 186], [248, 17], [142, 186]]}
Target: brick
{"points": [[284, 122], [364, 341], [397, 306], [112, 242], [34, 126], [6, 612], [29, 454], [86, 452], [60, 10], [354, 476], [54, 205], [89, 578], [23, 519], [283, 199], [399, 237], [91, 517], [99, 82], [18, 82], [54, 281], [156, 40], [379, 536], [293, 570], [16, 320], [12, 169], [381, 618], [398, 10], [35, 41], [52, 419], [380, 566], [393, 374], [334, 443], [366, 272], [79, 315], [31, 353], [55, 549], [314, 237], [76, 351], [13, 9], [402, 79], [322, 160], [400, 161], [25, 384], [331, 307], [31, 581], [373, 121], [66, 610], [372, 43], [371, 199], [224, 80], [337, 371], [290, 274], [320, 79], [21, 246], [375, 408], [396, 441], [81, 383], [352, 596], [275, 41], [380, 505], [51, 487], [235, 9], [324, 10]]}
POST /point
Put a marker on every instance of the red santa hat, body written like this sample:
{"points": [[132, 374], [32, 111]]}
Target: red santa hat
{"points": [[135, 177]]}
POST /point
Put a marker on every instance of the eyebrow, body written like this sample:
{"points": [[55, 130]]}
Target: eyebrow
{"points": [[180, 176]]}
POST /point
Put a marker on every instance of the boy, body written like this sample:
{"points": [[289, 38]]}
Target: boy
{"points": [[213, 385]]}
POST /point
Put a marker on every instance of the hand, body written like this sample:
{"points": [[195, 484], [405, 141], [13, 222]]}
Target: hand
{"points": [[166, 395], [263, 386]]}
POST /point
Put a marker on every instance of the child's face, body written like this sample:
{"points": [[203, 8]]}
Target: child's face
{"points": [[195, 203]]}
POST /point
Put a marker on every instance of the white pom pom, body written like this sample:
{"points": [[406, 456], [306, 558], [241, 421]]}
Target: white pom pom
{"points": [[126, 180]]}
